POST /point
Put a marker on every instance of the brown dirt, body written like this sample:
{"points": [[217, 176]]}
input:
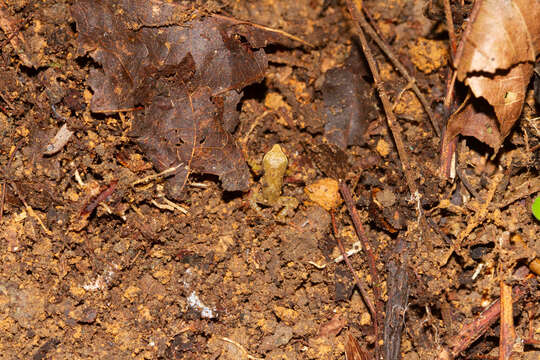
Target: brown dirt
{"points": [[137, 278]]}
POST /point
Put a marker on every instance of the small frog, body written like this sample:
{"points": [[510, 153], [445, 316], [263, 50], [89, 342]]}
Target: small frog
{"points": [[274, 166]]}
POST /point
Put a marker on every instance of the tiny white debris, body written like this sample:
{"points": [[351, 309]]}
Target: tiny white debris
{"points": [[356, 248], [96, 285], [100, 282], [59, 141], [196, 303], [477, 271], [78, 178]]}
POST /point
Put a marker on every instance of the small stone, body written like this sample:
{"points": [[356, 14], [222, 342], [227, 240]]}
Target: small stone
{"points": [[77, 291], [386, 198], [163, 276], [428, 55], [383, 148], [325, 193], [288, 316]]}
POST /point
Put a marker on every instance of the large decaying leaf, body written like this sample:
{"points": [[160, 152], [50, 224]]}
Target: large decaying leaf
{"points": [[186, 74], [348, 103], [497, 64]]}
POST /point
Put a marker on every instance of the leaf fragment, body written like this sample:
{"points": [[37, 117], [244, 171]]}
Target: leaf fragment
{"points": [[497, 64], [186, 71], [348, 103]]}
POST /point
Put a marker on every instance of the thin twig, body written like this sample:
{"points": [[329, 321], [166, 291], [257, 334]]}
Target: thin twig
{"points": [[450, 26], [359, 283], [30, 210], [277, 31], [447, 153], [13, 34], [507, 336], [164, 173], [466, 183], [478, 217], [530, 339], [360, 232], [402, 70], [394, 126], [6, 100]]}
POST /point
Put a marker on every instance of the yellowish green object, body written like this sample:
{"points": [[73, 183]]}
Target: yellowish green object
{"points": [[536, 208], [274, 165]]}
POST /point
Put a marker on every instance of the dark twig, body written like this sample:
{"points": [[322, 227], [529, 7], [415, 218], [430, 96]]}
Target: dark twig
{"points": [[101, 197], [360, 232], [466, 183], [447, 153], [530, 340], [394, 126], [450, 26], [398, 294], [402, 70], [361, 286]]}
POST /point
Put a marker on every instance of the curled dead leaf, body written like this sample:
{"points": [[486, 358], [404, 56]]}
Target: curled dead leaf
{"points": [[496, 63]]}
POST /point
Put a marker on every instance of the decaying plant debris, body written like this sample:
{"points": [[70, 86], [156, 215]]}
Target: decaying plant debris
{"points": [[136, 214]]}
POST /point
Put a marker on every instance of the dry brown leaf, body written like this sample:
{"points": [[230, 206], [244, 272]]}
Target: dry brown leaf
{"points": [[348, 103], [505, 92], [186, 72], [474, 120], [353, 350], [497, 64], [504, 34]]}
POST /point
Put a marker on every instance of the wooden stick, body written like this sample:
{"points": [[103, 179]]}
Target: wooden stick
{"points": [[347, 197], [361, 286], [403, 71], [450, 27], [394, 126], [507, 335]]}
